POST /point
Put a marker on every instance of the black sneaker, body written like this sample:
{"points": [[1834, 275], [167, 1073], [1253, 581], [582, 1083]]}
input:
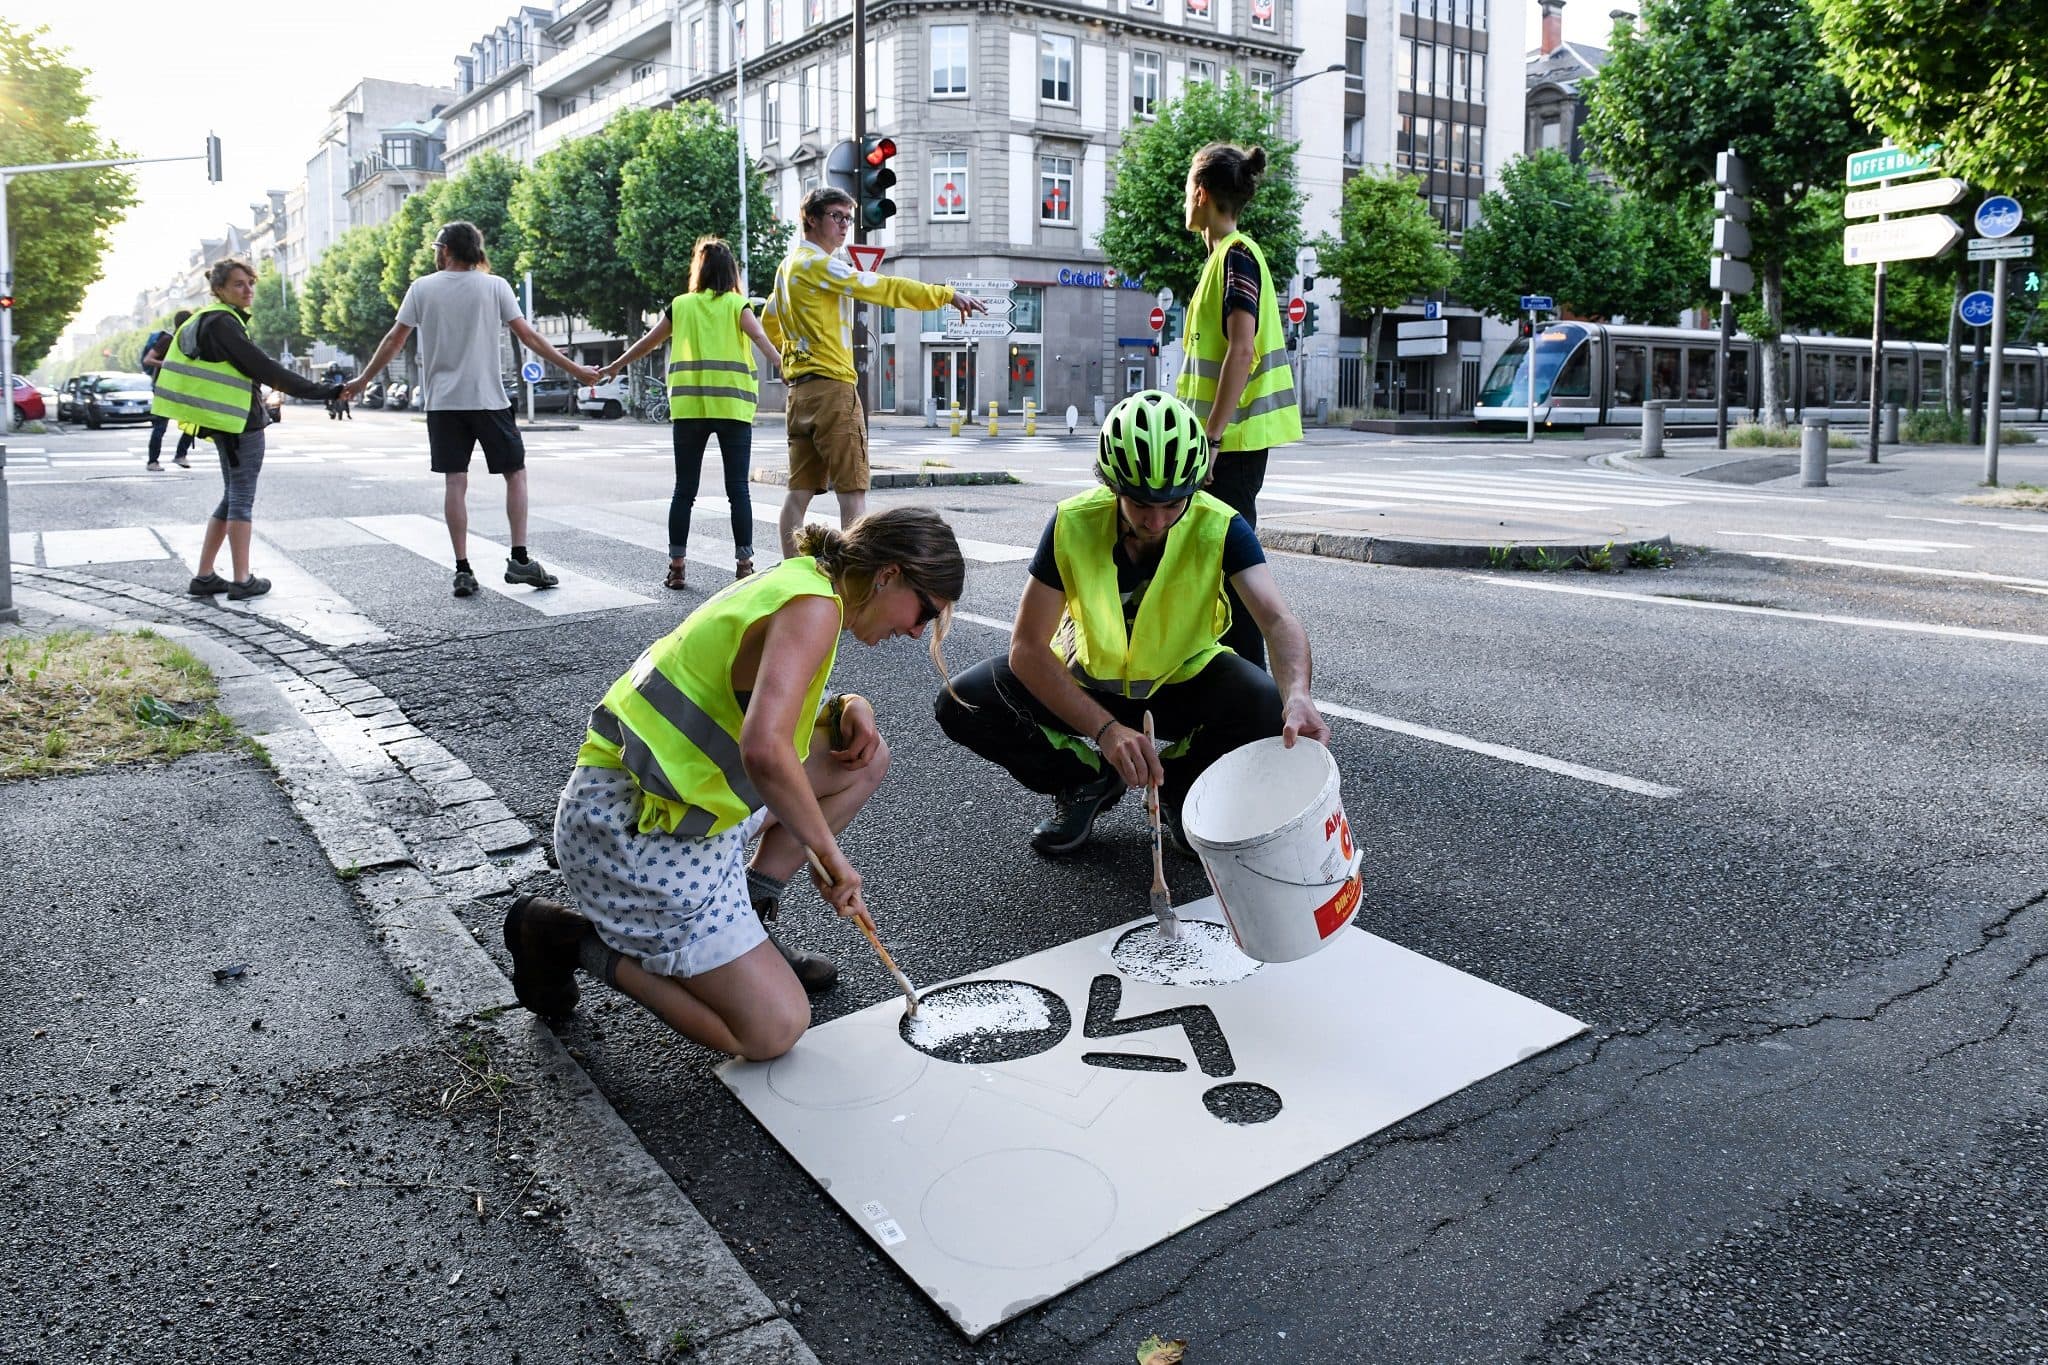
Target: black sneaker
{"points": [[1073, 815], [252, 586], [206, 585], [529, 572], [543, 937], [181, 462], [465, 583]]}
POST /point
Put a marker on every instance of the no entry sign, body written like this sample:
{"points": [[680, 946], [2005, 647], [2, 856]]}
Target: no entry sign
{"points": [[1158, 319], [1297, 309]]}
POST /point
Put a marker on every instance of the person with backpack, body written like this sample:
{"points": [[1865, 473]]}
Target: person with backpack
{"points": [[153, 351]]}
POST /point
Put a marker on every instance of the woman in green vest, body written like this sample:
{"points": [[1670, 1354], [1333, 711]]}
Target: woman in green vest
{"points": [[1236, 376], [719, 732], [711, 392]]}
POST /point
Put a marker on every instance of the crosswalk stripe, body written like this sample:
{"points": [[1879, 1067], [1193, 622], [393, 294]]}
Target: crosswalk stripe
{"points": [[1503, 488], [296, 599], [112, 545], [575, 594], [602, 521]]}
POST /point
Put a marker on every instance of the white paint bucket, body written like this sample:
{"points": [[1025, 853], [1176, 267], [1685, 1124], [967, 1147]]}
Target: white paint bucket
{"points": [[1269, 825]]}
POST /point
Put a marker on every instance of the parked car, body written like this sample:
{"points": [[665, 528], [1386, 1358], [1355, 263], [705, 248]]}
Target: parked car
{"points": [[373, 396], [71, 396], [116, 398], [606, 400], [553, 395], [397, 397], [28, 404]]}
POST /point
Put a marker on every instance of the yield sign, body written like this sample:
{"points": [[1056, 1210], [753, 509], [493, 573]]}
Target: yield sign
{"points": [[867, 257]]}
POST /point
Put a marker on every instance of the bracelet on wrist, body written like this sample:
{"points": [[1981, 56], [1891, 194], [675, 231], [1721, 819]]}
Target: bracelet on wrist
{"points": [[1097, 741]]}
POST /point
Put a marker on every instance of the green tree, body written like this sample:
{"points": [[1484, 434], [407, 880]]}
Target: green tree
{"points": [[1971, 79], [406, 250], [481, 194], [346, 285], [1663, 250], [59, 221], [274, 316], [1548, 229], [1696, 77], [1146, 234], [567, 207], [1388, 249], [681, 184]]}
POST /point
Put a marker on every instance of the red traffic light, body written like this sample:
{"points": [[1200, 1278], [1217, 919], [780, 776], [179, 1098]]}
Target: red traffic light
{"points": [[880, 149], [6, 300]]}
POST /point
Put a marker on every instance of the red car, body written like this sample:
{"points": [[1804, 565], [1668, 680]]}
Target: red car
{"points": [[28, 404]]}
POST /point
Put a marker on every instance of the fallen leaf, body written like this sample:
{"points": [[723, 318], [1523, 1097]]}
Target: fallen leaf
{"points": [[1153, 1351]]}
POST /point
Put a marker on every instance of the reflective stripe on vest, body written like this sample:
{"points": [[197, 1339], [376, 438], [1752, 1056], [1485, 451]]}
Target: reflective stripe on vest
{"points": [[710, 374], [1268, 413], [673, 723], [201, 393], [1170, 640]]}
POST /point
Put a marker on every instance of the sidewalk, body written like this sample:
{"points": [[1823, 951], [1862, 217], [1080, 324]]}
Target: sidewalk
{"points": [[267, 1091]]}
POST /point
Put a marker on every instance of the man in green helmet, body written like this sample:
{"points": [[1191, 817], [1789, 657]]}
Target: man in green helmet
{"points": [[1124, 613]]}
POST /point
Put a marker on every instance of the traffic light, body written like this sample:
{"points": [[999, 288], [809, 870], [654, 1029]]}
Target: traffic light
{"points": [[1172, 328], [1728, 268], [876, 180], [2033, 282], [1308, 319], [7, 300], [1525, 329], [212, 158], [1155, 347]]}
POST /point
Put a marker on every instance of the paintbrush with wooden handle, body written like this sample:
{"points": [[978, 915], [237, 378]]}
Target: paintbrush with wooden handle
{"points": [[1162, 902], [909, 991]]}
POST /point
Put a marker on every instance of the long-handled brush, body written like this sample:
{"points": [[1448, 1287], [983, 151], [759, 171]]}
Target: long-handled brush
{"points": [[1162, 902], [909, 991]]}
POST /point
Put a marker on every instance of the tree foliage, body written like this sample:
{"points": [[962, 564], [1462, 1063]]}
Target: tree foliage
{"points": [[567, 207], [1388, 249], [1145, 234], [1972, 78], [406, 248], [59, 221], [1696, 77], [274, 316], [343, 303], [481, 194], [681, 184]]}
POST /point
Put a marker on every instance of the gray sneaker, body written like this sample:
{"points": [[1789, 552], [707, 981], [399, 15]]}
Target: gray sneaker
{"points": [[465, 583], [529, 573], [252, 586], [206, 585]]}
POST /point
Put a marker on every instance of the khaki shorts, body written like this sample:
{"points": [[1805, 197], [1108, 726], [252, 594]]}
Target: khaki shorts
{"points": [[828, 438]]}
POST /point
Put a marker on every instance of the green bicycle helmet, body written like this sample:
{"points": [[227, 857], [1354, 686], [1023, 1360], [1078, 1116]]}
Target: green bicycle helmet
{"points": [[1153, 448]]}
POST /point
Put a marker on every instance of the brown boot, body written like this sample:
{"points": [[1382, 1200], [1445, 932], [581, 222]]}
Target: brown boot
{"points": [[817, 972], [542, 937]]}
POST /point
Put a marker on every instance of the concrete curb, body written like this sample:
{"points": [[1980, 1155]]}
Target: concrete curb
{"points": [[1410, 553], [903, 478], [418, 833]]}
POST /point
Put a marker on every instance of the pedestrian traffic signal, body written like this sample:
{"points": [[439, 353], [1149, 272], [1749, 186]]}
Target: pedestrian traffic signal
{"points": [[1172, 328], [6, 300], [1154, 345], [212, 158], [1308, 319], [1525, 329], [2033, 281], [876, 180]]}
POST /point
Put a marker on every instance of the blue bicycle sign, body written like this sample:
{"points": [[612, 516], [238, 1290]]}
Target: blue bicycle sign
{"points": [[1998, 216], [1977, 308]]}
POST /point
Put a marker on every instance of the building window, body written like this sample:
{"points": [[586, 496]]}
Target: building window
{"points": [[807, 97], [568, 106], [1354, 64], [774, 21], [1199, 10], [1024, 358], [643, 71], [771, 114], [697, 57], [1354, 142], [1552, 136], [1263, 81], [398, 151], [1027, 308], [1055, 68], [949, 59], [1145, 4], [1056, 190], [949, 185], [1202, 71], [1263, 15], [814, 13], [1145, 68]]}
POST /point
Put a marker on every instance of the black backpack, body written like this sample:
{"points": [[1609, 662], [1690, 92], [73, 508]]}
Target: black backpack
{"points": [[156, 338]]}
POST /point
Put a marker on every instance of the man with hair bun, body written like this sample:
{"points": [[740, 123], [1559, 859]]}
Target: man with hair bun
{"points": [[1237, 377], [458, 310]]}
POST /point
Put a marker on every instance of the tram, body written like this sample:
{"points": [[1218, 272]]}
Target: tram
{"points": [[1593, 374]]}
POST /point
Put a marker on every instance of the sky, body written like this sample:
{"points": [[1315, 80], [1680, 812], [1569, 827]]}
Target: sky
{"points": [[162, 76]]}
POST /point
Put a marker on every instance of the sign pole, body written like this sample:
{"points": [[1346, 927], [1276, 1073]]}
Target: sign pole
{"points": [[1876, 359], [1994, 393], [1531, 392], [1721, 370], [529, 322], [8, 612]]}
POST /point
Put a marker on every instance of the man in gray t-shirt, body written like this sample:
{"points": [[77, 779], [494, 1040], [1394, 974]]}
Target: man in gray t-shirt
{"points": [[457, 311]]}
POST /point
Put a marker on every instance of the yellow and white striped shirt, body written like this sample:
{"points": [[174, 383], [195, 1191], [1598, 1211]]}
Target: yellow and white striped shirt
{"points": [[810, 313]]}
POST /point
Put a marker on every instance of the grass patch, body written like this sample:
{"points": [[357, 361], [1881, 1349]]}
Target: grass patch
{"points": [[1935, 426], [2015, 436], [1644, 555], [2024, 495], [73, 701], [1753, 434]]}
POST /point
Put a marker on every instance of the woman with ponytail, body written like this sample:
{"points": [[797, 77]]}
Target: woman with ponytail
{"points": [[719, 732], [1237, 377]]}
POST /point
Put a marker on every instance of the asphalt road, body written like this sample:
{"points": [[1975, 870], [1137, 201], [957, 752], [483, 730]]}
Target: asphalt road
{"points": [[1806, 1120]]}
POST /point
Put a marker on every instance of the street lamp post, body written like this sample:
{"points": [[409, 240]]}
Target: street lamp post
{"points": [[739, 129]]}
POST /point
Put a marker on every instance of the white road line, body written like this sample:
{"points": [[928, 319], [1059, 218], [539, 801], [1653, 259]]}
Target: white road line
{"points": [[575, 594], [1445, 737], [1398, 483], [317, 533], [612, 525], [1782, 613], [1965, 521], [1974, 575], [1375, 496], [296, 598], [1903, 547], [111, 545]]}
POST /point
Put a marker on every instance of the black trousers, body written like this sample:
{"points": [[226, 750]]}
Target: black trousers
{"points": [[157, 427], [735, 451], [1228, 704], [1239, 476]]}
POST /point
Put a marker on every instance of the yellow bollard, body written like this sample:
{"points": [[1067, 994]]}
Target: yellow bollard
{"points": [[1030, 417], [992, 429], [958, 418]]}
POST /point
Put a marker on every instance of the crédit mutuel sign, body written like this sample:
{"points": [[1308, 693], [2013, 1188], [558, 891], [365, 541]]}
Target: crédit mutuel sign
{"points": [[1100, 279]]}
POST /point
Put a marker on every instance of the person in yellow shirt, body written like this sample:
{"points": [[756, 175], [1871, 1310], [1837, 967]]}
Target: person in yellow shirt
{"points": [[810, 319]]}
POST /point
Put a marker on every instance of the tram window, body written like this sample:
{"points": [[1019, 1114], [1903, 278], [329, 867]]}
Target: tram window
{"points": [[2006, 387], [2023, 385], [1629, 364], [1738, 377], [1699, 374], [1816, 381], [1931, 381], [1895, 386], [1845, 393], [1664, 371], [1575, 380]]}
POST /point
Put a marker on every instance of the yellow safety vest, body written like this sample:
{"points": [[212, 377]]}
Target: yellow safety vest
{"points": [[1267, 413], [1172, 638], [201, 393], [673, 722], [710, 374]]}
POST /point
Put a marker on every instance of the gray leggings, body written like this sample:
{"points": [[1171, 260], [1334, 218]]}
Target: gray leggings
{"points": [[238, 503]]}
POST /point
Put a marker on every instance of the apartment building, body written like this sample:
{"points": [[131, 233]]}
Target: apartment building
{"points": [[599, 57], [493, 108], [1554, 73]]}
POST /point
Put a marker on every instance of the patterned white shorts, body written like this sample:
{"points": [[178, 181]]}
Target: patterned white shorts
{"points": [[679, 906]]}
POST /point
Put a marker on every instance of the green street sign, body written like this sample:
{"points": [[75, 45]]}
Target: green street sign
{"points": [[1883, 163]]}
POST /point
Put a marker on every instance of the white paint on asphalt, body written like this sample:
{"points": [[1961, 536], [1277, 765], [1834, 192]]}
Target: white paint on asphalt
{"points": [[576, 594], [1903, 547], [1784, 613], [1561, 767], [1974, 575], [600, 521], [296, 600], [110, 545], [1966, 521]]}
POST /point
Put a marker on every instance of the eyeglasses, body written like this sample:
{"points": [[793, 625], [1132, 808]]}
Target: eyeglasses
{"points": [[843, 219], [927, 610]]}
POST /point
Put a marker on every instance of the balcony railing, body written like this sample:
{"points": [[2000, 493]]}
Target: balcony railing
{"points": [[625, 23], [592, 114]]}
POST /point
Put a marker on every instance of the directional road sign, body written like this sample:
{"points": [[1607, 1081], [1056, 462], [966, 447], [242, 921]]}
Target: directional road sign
{"points": [[530, 372], [2001, 248], [1900, 239], [1538, 303], [1158, 319], [1908, 196], [996, 322], [1976, 309], [1883, 163], [1429, 327], [1998, 216], [1297, 309]]}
